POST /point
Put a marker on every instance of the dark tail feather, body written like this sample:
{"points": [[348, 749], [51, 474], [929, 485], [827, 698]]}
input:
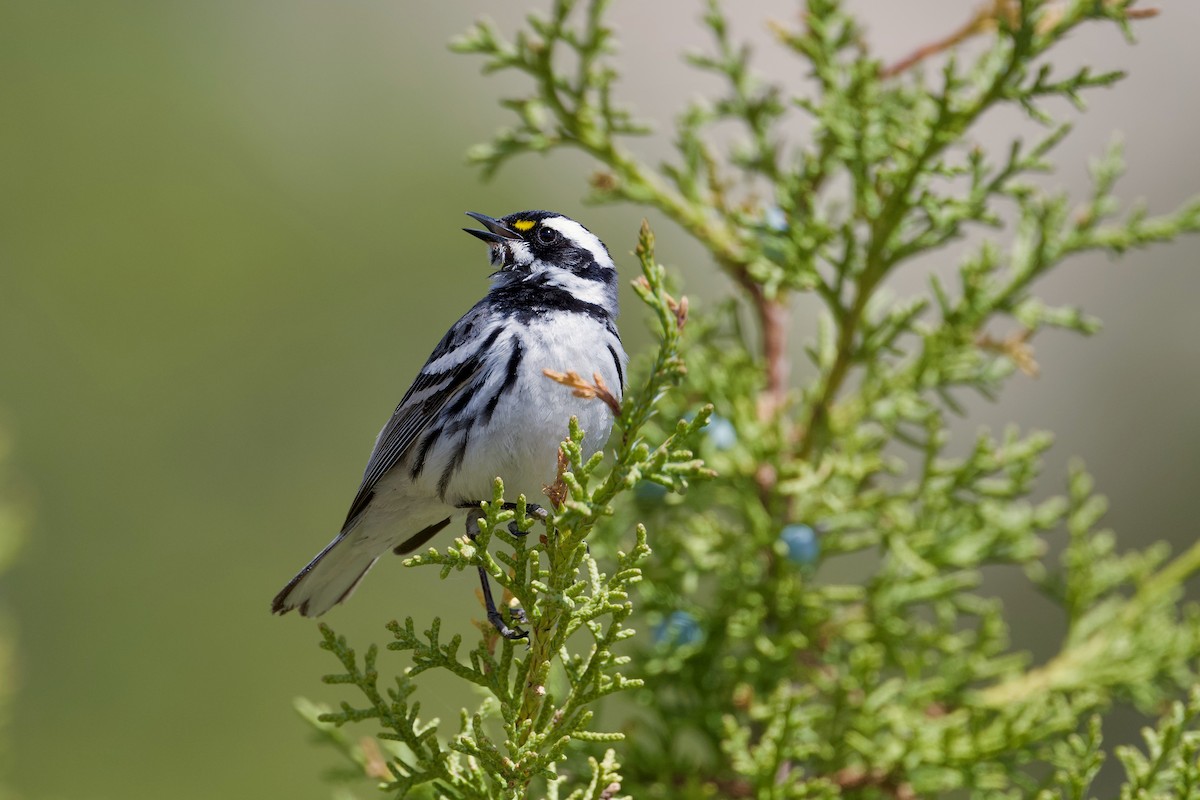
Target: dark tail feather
{"points": [[327, 580], [419, 538]]}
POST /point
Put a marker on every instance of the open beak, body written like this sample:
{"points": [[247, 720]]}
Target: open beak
{"points": [[496, 231]]}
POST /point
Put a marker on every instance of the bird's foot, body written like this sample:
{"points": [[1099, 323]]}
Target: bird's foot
{"points": [[516, 613], [532, 510], [512, 634]]}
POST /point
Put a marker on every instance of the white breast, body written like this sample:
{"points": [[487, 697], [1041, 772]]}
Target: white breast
{"points": [[520, 443]]}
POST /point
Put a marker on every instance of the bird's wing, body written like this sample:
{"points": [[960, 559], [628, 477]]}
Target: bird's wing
{"points": [[435, 386]]}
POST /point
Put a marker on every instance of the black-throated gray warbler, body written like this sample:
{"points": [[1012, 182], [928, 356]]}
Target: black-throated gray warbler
{"points": [[482, 406]]}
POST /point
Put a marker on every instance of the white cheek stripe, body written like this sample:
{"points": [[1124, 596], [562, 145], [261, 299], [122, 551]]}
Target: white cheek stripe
{"points": [[520, 252], [592, 292], [581, 236]]}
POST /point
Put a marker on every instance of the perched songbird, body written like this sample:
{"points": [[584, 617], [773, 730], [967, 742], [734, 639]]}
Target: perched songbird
{"points": [[482, 406]]}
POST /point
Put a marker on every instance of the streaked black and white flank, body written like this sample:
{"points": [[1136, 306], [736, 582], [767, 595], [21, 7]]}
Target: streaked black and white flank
{"points": [[481, 406]]}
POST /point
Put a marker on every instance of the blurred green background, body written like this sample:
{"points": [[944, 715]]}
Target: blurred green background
{"points": [[229, 237]]}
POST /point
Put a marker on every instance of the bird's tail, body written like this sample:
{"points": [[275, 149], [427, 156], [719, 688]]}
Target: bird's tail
{"points": [[328, 579]]}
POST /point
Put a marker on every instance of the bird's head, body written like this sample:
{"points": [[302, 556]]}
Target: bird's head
{"points": [[551, 249]]}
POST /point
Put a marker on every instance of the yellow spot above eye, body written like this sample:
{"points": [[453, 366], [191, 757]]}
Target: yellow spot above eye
{"points": [[524, 224]]}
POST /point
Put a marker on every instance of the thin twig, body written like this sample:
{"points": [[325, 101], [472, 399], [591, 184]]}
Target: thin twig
{"points": [[983, 20], [986, 19], [773, 321], [772, 315]]}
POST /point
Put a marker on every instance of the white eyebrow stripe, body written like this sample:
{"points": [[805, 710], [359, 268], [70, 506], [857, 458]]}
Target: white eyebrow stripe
{"points": [[581, 236]]}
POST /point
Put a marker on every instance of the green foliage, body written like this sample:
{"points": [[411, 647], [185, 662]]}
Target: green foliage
{"points": [[1170, 767], [757, 673]]}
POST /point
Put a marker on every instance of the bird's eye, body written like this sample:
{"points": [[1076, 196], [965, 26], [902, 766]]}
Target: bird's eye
{"points": [[547, 235]]}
